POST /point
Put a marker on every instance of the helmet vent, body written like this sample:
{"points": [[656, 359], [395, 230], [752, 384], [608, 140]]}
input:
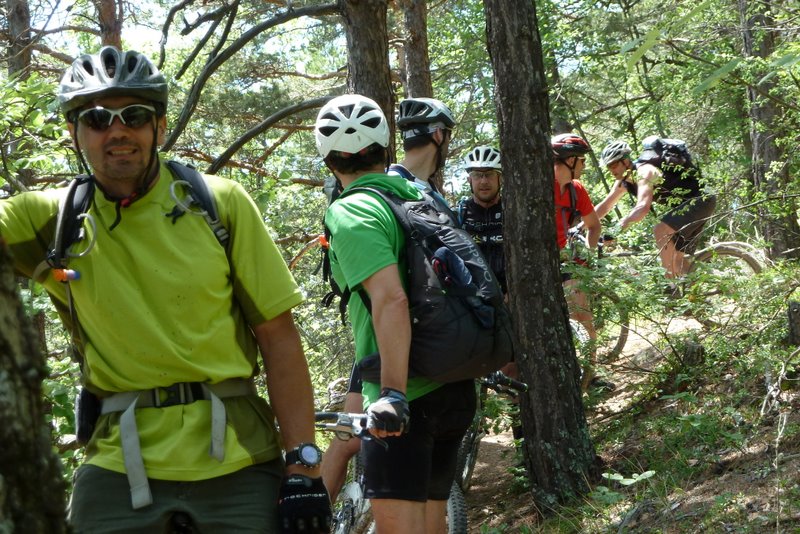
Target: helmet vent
{"points": [[110, 64], [132, 64], [350, 131], [374, 122], [327, 131], [346, 110]]}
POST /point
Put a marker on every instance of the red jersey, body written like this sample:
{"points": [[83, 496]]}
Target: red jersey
{"points": [[564, 208]]}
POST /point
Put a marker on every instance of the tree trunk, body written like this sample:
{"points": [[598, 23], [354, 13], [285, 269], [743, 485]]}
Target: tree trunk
{"points": [[559, 451], [19, 32], [368, 70], [417, 73], [769, 160], [109, 16], [32, 490]]}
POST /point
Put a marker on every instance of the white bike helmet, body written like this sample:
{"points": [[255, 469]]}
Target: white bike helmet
{"points": [[349, 124], [615, 151], [483, 157]]}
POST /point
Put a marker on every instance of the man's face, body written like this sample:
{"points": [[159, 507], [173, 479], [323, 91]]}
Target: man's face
{"points": [[618, 168], [118, 152], [485, 184], [580, 165]]}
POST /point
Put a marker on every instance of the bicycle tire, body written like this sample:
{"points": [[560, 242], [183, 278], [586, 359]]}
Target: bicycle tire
{"points": [[456, 511], [352, 511], [467, 457], [612, 323], [714, 276]]}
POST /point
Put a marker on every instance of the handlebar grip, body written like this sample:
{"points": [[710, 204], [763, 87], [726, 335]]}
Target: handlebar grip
{"points": [[501, 379]]}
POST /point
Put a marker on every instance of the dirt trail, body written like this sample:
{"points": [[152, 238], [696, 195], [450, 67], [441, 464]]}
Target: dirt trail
{"points": [[761, 478]]}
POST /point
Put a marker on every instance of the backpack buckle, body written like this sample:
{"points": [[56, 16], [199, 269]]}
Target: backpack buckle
{"points": [[180, 393]]}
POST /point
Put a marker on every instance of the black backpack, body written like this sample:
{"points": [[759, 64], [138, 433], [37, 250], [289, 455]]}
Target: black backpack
{"points": [[669, 155], [460, 326]]}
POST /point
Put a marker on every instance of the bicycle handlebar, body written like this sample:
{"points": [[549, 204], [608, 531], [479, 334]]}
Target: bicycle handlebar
{"points": [[498, 380], [345, 425]]}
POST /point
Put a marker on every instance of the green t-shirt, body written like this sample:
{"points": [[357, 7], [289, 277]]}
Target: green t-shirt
{"points": [[158, 302], [365, 238]]}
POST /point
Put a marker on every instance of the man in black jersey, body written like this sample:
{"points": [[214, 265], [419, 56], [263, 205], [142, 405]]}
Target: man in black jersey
{"points": [[482, 215], [648, 179]]}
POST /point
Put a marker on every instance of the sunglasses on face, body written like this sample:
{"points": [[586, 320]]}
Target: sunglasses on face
{"points": [[134, 116], [482, 175]]}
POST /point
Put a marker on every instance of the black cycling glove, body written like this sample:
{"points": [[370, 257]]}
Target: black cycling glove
{"points": [[304, 506], [390, 412]]}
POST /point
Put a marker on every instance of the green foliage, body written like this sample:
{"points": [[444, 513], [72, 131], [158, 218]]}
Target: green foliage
{"points": [[32, 134]]}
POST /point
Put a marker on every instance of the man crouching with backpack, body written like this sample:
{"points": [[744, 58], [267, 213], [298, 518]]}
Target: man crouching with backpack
{"points": [[650, 179], [408, 481]]}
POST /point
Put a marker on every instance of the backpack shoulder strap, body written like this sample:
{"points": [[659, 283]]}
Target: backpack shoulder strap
{"points": [[397, 205], [68, 221], [394, 202], [202, 195]]}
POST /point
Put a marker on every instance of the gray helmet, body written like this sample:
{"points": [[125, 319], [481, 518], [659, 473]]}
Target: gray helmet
{"points": [[483, 157], [615, 151], [422, 116], [112, 72]]}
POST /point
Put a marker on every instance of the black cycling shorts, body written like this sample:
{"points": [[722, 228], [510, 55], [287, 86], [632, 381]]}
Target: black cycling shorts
{"points": [[688, 219], [421, 464]]}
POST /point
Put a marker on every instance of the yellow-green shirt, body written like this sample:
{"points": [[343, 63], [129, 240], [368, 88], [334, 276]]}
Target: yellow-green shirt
{"points": [[159, 303]]}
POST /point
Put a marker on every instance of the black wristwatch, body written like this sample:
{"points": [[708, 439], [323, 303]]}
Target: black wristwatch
{"points": [[306, 454]]}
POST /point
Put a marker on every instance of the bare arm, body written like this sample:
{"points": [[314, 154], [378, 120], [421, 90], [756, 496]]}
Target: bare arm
{"points": [[608, 203], [592, 224], [392, 325], [649, 176], [289, 384]]}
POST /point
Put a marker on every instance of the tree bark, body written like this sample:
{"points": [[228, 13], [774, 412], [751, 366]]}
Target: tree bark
{"points": [[32, 489], [19, 31], [417, 73], [109, 16], [368, 70], [769, 160], [559, 451]]}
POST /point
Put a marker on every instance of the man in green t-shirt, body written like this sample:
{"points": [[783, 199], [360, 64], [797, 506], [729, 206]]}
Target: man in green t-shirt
{"points": [[168, 326], [423, 421]]}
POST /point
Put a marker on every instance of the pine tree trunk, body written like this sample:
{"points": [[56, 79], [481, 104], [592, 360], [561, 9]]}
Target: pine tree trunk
{"points": [[415, 48], [558, 448], [32, 489], [368, 70]]}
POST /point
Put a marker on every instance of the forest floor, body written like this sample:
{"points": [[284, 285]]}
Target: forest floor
{"points": [[759, 481]]}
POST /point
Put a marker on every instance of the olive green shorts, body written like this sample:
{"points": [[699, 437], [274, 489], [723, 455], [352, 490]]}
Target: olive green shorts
{"points": [[244, 501]]}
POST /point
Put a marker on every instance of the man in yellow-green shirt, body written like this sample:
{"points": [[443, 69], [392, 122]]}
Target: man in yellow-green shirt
{"points": [[168, 326]]}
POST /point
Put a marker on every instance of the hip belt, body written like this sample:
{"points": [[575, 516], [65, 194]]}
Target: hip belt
{"points": [[128, 402]]}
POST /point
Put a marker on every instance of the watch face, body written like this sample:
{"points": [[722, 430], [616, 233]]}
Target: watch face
{"points": [[310, 455]]}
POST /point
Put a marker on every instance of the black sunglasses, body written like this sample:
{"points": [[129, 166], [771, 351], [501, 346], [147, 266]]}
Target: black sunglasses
{"points": [[134, 116]]}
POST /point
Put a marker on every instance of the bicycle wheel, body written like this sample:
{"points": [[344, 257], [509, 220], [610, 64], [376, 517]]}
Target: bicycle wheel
{"points": [[345, 508], [352, 512], [715, 279], [456, 511], [611, 321], [467, 456]]}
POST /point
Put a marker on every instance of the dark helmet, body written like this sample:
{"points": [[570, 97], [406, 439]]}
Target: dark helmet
{"points": [[569, 145], [421, 116], [111, 72]]}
